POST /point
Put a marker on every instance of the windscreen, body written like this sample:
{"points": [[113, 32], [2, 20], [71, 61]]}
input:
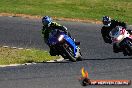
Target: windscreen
{"points": [[115, 31]]}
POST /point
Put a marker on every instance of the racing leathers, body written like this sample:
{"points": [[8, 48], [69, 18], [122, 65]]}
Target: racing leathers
{"points": [[47, 29], [106, 30]]}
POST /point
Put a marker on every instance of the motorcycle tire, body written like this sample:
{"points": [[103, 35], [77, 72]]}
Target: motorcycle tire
{"points": [[68, 51], [127, 44], [79, 58], [129, 48]]}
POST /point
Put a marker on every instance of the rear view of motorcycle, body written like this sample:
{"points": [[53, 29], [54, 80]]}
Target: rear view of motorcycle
{"points": [[122, 39], [63, 45]]}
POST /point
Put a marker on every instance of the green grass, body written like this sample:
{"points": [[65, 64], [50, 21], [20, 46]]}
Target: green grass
{"points": [[83, 9], [16, 56]]}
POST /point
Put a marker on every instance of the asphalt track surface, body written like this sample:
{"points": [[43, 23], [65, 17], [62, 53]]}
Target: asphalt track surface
{"points": [[99, 59]]}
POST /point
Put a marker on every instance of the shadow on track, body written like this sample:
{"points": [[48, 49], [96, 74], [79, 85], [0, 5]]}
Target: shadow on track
{"points": [[111, 58], [63, 61], [67, 61], [55, 62]]}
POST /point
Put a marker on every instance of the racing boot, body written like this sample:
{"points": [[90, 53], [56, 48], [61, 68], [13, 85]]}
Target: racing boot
{"points": [[52, 51], [77, 43]]}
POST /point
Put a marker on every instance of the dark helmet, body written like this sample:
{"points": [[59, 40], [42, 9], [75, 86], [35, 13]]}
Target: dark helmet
{"points": [[106, 20], [46, 20]]}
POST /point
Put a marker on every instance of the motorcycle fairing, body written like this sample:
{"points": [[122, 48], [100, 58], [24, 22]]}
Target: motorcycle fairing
{"points": [[125, 42], [71, 42]]}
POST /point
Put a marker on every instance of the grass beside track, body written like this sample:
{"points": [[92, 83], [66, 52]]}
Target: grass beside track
{"points": [[82, 9], [16, 56]]}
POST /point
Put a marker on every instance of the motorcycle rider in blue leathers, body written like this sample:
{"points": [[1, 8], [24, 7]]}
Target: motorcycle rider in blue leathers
{"points": [[108, 25], [48, 26]]}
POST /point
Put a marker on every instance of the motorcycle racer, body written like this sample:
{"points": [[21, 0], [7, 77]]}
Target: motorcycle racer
{"points": [[48, 26], [108, 25]]}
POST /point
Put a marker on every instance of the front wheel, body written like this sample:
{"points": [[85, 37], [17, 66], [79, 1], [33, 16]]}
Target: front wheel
{"points": [[68, 51], [128, 47]]}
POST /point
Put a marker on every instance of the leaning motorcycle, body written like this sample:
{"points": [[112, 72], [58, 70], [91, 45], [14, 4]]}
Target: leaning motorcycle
{"points": [[122, 39], [63, 45]]}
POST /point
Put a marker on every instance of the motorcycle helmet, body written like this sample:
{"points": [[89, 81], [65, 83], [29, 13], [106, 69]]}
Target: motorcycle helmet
{"points": [[106, 20], [46, 20]]}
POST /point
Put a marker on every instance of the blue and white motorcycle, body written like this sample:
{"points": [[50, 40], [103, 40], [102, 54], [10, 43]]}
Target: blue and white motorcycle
{"points": [[63, 45]]}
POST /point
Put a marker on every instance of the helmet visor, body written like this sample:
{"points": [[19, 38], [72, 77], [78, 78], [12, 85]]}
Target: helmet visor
{"points": [[45, 23], [106, 22]]}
